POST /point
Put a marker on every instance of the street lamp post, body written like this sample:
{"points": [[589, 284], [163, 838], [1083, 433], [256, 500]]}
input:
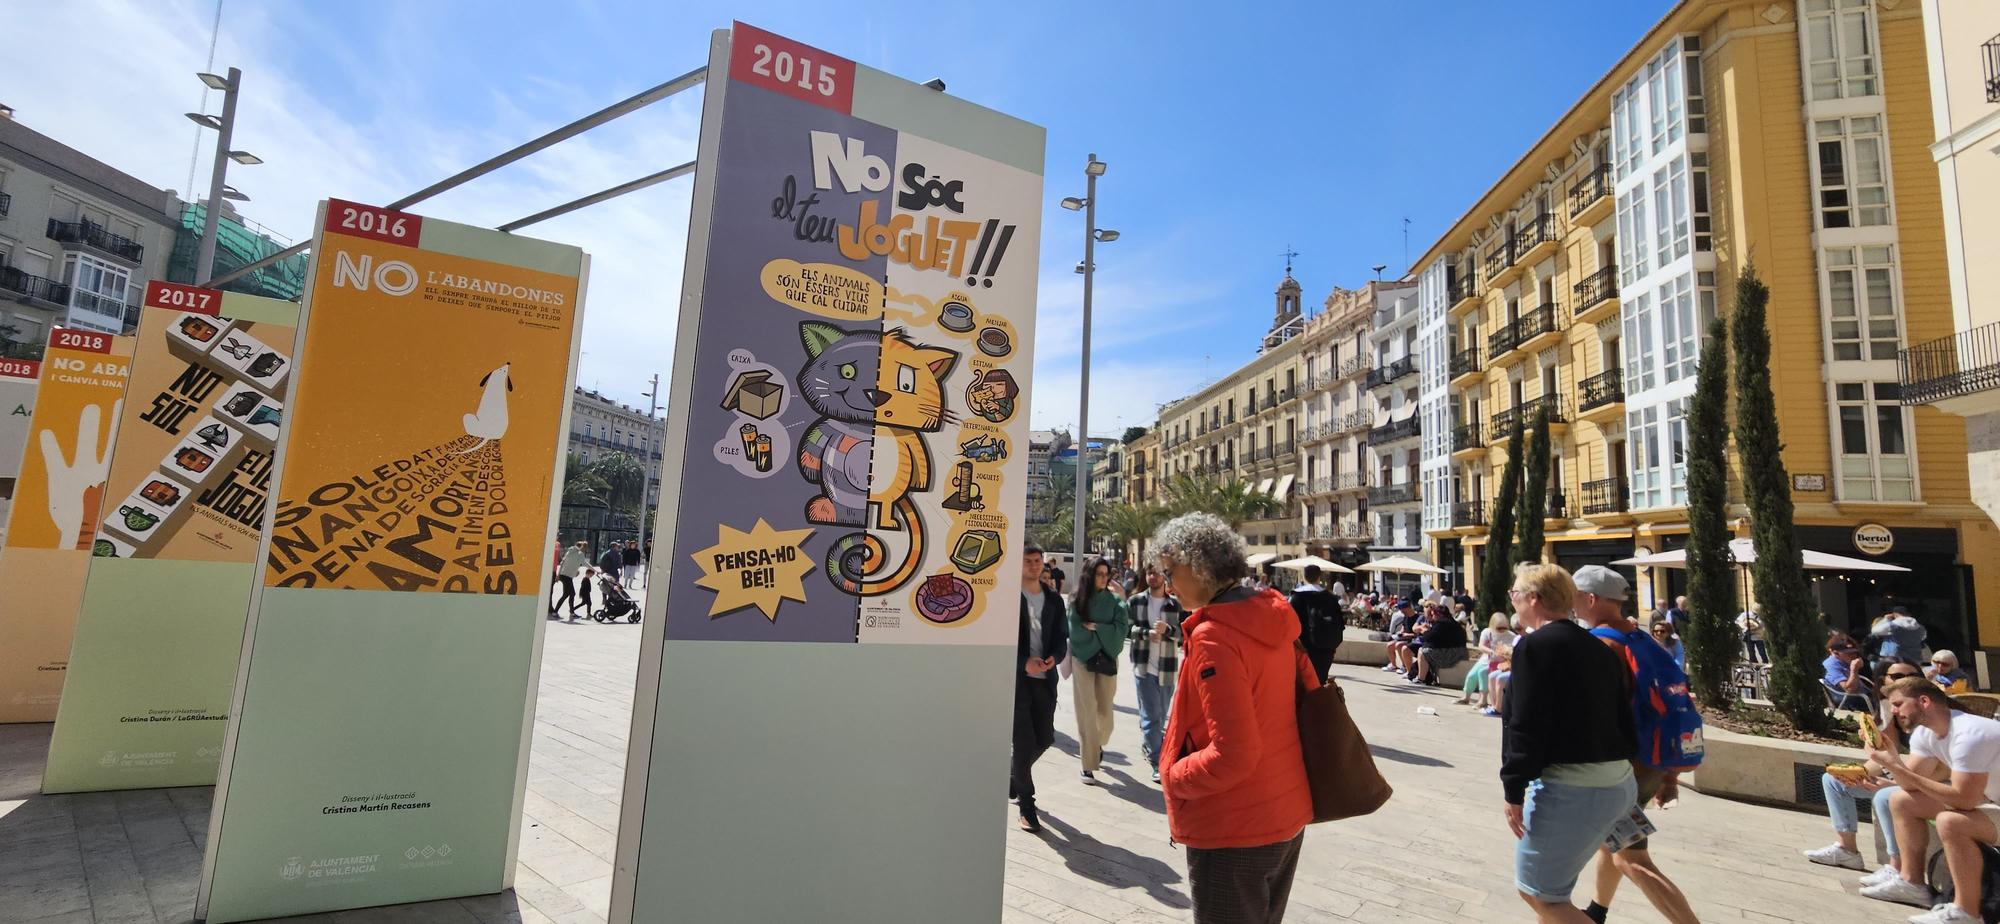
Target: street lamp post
{"points": [[1091, 236], [224, 126]]}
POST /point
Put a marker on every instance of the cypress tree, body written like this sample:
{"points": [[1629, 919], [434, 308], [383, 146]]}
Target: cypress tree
{"points": [[1778, 575], [1711, 634], [1534, 502], [1496, 571]]}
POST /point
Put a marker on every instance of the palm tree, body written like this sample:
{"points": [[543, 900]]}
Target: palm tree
{"points": [[580, 484], [624, 479], [1235, 500], [1128, 523]]}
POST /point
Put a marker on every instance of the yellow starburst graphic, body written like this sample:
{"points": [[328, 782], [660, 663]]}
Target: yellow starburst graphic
{"points": [[762, 568]]}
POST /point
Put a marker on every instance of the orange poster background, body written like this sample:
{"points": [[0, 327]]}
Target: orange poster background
{"points": [[41, 579], [384, 386], [60, 406]]}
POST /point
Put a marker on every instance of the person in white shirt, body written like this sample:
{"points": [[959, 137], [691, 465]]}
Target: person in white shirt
{"points": [[1966, 806]]}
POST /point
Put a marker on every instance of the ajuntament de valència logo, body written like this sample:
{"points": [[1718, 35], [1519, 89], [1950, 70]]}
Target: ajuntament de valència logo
{"points": [[328, 867], [428, 852]]}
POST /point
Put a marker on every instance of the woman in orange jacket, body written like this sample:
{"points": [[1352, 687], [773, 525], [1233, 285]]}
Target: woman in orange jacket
{"points": [[1231, 768]]}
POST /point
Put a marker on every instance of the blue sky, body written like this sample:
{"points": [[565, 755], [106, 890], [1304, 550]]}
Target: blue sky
{"points": [[1231, 131]]}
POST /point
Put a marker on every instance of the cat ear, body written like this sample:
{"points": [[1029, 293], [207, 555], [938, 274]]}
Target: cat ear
{"points": [[817, 336], [940, 361]]}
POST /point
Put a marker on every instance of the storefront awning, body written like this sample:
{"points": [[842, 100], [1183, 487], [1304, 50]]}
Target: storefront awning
{"points": [[1284, 489], [1264, 487]]}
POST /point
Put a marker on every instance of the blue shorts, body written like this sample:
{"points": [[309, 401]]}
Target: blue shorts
{"points": [[1565, 826]]}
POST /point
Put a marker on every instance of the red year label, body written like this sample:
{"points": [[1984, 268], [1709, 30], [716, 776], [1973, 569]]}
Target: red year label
{"points": [[357, 220], [794, 69], [20, 368], [183, 298], [89, 341]]}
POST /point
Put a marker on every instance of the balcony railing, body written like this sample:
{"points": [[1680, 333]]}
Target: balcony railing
{"points": [[1525, 412], [1468, 513], [1466, 436], [1606, 496], [1391, 372], [1464, 362], [1285, 448], [1466, 286], [1558, 507], [1521, 330], [1539, 231], [1358, 420], [1381, 495], [1991, 52], [1498, 260], [95, 235], [1596, 288], [1393, 431], [6, 202], [1352, 365], [1595, 185], [1351, 481], [1600, 390], [1961, 364], [33, 287]]}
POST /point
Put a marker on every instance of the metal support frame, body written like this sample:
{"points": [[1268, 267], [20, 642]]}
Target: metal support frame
{"points": [[623, 107]]}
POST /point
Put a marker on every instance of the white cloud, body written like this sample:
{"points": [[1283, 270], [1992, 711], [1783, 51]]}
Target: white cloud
{"points": [[126, 109]]}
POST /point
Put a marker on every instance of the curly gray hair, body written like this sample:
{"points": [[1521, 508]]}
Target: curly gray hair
{"points": [[1206, 544]]}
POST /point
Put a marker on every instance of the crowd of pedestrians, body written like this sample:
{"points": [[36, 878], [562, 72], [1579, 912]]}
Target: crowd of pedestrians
{"points": [[582, 581]]}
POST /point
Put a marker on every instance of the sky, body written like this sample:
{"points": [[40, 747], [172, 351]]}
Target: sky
{"points": [[1231, 137]]}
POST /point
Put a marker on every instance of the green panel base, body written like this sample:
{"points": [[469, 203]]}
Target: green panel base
{"points": [[150, 675], [827, 783], [411, 703]]}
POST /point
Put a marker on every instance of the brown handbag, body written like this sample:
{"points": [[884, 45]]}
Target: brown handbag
{"points": [[1339, 769]]}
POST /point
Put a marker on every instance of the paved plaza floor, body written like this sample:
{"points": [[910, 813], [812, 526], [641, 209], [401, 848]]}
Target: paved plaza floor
{"points": [[1439, 851]]}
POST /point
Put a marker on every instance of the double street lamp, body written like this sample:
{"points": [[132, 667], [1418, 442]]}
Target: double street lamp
{"points": [[223, 125], [1092, 236]]}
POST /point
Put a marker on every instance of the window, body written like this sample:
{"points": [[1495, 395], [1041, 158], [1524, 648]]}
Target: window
{"points": [[1839, 48], [1698, 183], [1853, 181], [1861, 309], [1639, 333], [1874, 445], [1659, 454], [1678, 333], [97, 288], [1633, 255]]}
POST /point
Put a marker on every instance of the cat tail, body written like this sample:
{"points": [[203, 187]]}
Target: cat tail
{"points": [[855, 560]]}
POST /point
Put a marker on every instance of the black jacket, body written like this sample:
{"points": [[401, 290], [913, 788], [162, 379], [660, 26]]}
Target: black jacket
{"points": [[631, 556], [611, 560], [1321, 623], [1055, 638], [1445, 633], [1569, 702]]}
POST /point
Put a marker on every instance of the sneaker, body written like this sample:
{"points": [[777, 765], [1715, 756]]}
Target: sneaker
{"points": [[1390, 669], [1886, 873], [1156, 774], [1900, 890], [1089, 778], [1490, 712], [1945, 914], [1836, 855]]}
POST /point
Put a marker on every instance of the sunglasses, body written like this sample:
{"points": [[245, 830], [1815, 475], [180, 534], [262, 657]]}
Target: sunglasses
{"points": [[1902, 676]]}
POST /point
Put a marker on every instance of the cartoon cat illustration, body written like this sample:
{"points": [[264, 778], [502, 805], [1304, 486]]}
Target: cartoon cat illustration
{"points": [[876, 393]]}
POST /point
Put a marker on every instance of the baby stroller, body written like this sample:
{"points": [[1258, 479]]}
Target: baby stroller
{"points": [[616, 603]]}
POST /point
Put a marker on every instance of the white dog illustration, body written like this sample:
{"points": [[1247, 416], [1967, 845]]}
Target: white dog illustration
{"points": [[70, 479], [490, 422]]}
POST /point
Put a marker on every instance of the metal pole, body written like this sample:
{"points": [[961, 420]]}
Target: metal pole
{"points": [[1083, 390], [204, 266], [594, 198], [690, 79]]}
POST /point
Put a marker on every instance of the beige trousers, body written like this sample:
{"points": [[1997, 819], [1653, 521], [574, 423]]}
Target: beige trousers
{"points": [[1094, 714]]}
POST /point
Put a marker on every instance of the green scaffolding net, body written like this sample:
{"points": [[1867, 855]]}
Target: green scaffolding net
{"points": [[236, 246]]}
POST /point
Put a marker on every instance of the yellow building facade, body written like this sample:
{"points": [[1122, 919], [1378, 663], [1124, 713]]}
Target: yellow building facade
{"points": [[1792, 136]]}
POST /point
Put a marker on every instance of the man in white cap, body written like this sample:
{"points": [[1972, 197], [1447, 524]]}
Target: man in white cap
{"points": [[1600, 601]]}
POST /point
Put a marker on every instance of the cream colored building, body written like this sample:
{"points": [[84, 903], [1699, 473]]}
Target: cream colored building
{"points": [[1246, 426], [1792, 135], [1960, 374], [1333, 476]]}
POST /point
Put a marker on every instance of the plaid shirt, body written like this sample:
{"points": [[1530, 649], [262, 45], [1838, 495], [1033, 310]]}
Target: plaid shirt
{"points": [[1142, 632]]}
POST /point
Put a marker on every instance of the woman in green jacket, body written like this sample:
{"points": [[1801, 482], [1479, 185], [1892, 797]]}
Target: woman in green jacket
{"points": [[1098, 622]]}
